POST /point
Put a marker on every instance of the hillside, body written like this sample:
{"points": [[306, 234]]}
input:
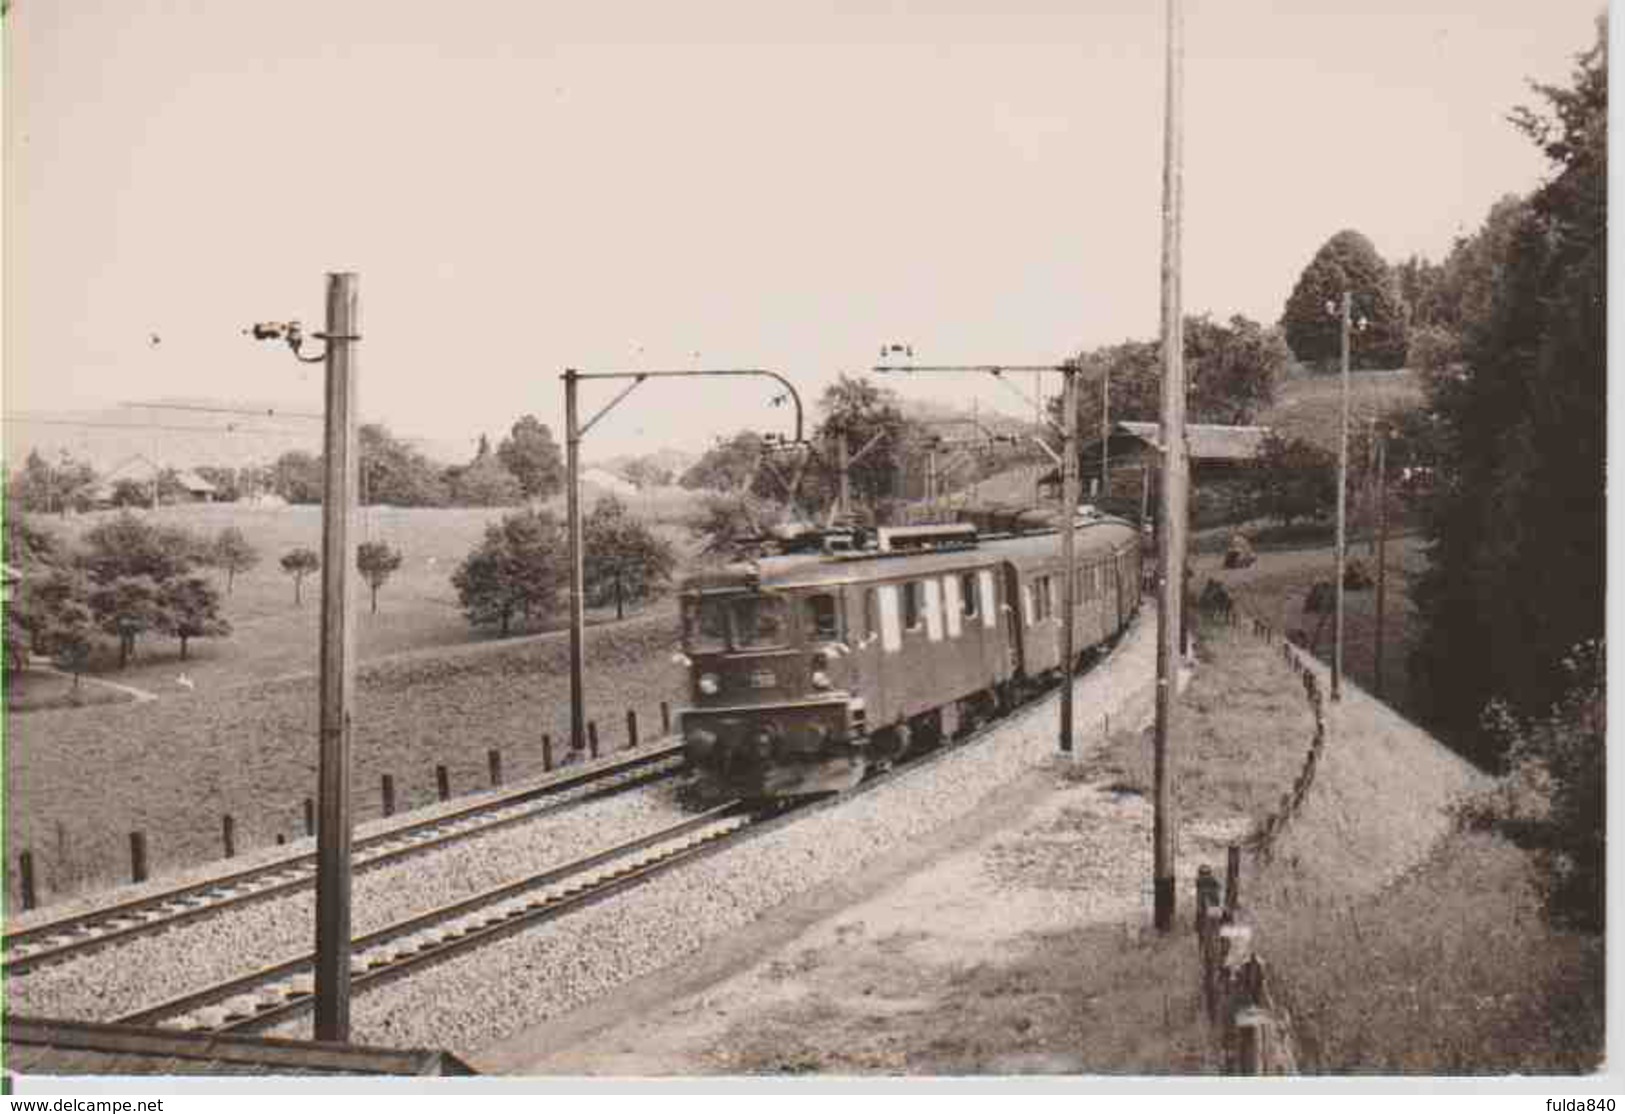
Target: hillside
{"points": [[1310, 406]]}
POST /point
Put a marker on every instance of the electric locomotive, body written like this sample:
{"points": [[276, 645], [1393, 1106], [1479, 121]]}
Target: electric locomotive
{"points": [[809, 669]]}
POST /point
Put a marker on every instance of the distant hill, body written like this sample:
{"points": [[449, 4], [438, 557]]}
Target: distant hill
{"points": [[1310, 406], [183, 433]]}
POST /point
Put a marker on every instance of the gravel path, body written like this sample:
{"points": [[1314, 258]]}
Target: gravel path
{"points": [[120, 980], [485, 996]]}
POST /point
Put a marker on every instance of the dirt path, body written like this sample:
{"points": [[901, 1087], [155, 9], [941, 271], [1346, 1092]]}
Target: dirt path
{"points": [[939, 959]]}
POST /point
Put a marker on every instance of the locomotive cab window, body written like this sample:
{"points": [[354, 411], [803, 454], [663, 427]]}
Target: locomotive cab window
{"points": [[738, 622], [820, 618]]}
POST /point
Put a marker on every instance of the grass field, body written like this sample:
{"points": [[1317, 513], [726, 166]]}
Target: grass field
{"points": [[1310, 406], [1398, 943], [241, 740]]}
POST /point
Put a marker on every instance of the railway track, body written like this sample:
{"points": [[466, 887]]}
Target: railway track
{"points": [[62, 940], [286, 989]]}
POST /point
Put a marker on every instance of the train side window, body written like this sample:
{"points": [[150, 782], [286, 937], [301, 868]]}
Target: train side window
{"points": [[1027, 603], [913, 597], [953, 608], [871, 614], [967, 594], [989, 598], [822, 619]]}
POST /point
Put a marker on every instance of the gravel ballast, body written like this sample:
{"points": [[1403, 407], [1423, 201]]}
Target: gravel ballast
{"points": [[484, 996], [104, 985]]}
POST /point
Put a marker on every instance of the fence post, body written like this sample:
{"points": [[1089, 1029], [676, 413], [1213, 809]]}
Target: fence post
{"points": [[442, 780], [592, 738], [281, 839], [547, 753], [388, 788], [665, 718], [631, 728], [25, 868], [310, 817], [493, 758], [138, 856], [228, 835], [1252, 1037]]}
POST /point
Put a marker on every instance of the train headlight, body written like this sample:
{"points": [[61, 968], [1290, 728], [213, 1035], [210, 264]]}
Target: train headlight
{"points": [[709, 684], [820, 679]]}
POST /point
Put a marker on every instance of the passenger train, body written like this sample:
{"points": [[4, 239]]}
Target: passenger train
{"points": [[809, 669]]}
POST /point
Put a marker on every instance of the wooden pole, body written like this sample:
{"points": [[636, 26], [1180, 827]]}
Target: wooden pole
{"points": [[1382, 550], [578, 606], [1069, 548], [1342, 510], [1105, 433], [337, 667], [1171, 504]]}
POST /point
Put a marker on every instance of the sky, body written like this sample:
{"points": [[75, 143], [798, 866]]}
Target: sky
{"points": [[528, 186]]}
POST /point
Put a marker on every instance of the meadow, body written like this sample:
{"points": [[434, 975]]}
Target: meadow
{"points": [[240, 737]]}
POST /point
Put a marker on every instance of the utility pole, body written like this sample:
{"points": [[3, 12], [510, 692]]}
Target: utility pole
{"points": [[337, 665], [1069, 546], [574, 431], [336, 670], [1342, 504], [1171, 505], [1382, 548], [843, 466], [1105, 432]]}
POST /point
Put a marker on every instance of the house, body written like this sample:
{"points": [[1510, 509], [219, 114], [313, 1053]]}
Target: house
{"points": [[1134, 454], [175, 487]]}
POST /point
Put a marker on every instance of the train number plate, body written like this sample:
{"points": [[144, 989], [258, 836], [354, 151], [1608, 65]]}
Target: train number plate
{"points": [[763, 679]]}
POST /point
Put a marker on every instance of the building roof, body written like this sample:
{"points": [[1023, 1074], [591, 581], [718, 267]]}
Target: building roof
{"points": [[1235, 443], [39, 1046], [195, 483]]}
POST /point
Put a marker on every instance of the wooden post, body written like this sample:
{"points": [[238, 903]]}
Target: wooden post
{"points": [[1342, 508], [1069, 549], [1171, 513], [631, 728], [388, 790], [310, 817], [25, 871], [493, 759], [665, 718], [592, 738], [442, 781], [547, 753], [1252, 1037], [228, 835], [337, 663], [138, 856]]}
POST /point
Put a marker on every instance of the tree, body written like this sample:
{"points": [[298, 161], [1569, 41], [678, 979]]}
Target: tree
{"points": [[132, 493], [297, 477], [531, 454], [233, 553], [56, 615], [517, 570], [647, 472], [734, 464], [1516, 516], [131, 546], [189, 607], [300, 563], [866, 417], [377, 562], [394, 473], [1346, 262], [45, 487], [484, 483], [127, 607], [1293, 479], [624, 560]]}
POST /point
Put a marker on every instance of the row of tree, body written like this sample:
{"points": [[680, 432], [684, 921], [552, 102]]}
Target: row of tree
{"points": [[520, 569]]}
